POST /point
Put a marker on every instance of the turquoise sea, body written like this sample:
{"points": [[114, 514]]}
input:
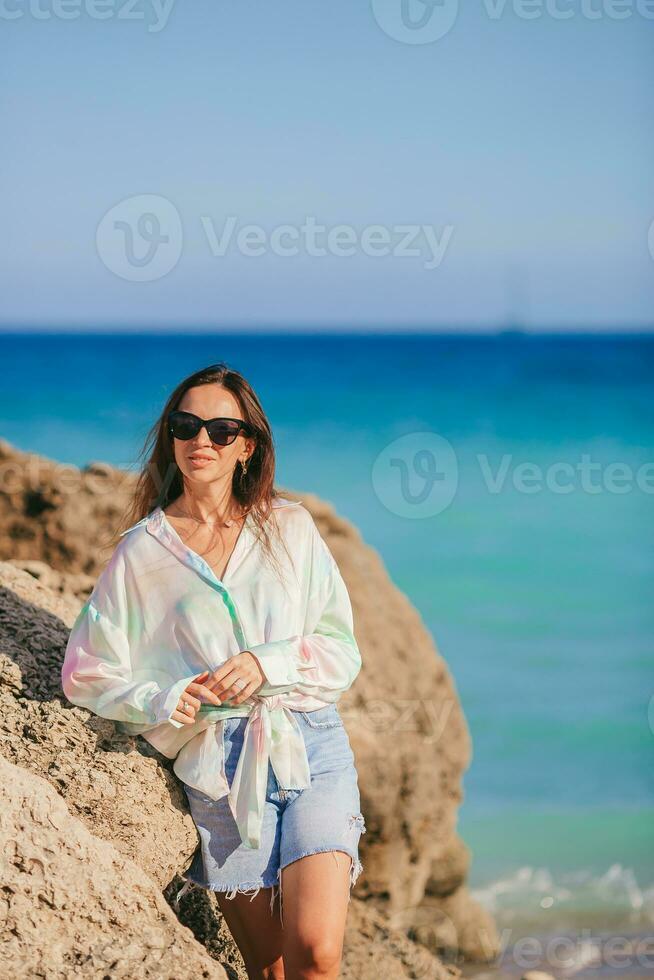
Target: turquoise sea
{"points": [[539, 598]]}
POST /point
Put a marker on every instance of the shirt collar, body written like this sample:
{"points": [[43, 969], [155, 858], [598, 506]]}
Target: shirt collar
{"points": [[160, 528]]}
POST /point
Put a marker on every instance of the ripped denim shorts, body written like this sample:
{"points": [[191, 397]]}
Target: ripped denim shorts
{"points": [[324, 817]]}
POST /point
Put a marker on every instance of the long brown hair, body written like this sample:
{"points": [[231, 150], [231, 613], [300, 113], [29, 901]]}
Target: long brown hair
{"points": [[160, 480]]}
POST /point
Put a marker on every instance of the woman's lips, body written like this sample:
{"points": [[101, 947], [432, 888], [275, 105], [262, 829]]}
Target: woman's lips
{"points": [[199, 461]]}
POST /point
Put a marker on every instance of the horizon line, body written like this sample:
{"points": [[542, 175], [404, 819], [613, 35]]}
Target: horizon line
{"points": [[469, 330]]}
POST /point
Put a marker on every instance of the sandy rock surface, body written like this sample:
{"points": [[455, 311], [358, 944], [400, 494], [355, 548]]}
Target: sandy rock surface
{"points": [[72, 906]]}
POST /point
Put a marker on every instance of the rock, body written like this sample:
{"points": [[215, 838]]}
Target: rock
{"points": [[450, 871], [59, 514], [76, 585], [373, 948], [456, 925], [118, 786], [100, 469], [72, 906]]}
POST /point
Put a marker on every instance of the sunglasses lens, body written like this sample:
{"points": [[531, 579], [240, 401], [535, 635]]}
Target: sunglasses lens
{"points": [[223, 432], [184, 426]]}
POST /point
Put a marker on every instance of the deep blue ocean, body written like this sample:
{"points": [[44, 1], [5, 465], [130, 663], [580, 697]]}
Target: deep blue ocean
{"points": [[507, 483]]}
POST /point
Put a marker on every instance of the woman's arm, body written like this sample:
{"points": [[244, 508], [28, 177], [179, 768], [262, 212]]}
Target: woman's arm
{"points": [[101, 671], [325, 660]]}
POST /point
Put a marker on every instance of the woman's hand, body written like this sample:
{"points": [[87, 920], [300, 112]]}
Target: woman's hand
{"points": [[237, 679], [192, 698]]}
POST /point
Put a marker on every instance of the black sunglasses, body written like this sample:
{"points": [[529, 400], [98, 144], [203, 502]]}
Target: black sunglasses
{"points": [[185, 425]]}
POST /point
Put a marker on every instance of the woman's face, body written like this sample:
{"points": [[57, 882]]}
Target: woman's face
{"points": [[210, 402]]}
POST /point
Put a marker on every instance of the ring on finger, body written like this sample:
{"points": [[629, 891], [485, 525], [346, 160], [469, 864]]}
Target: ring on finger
{"points": [[236, 687]]}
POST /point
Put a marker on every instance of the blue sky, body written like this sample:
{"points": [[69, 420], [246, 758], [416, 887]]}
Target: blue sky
{"points": [[524, 146]]}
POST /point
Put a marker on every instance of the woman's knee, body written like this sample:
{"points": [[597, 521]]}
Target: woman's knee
{"points": [[317, 956], [268, 971]]}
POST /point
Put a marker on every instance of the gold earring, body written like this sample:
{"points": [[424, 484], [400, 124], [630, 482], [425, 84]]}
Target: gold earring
{"points": [[244, 470]]}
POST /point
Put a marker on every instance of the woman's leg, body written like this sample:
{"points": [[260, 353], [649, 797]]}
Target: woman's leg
{"points": [[315, 891], [256, 932], [320, 833]]}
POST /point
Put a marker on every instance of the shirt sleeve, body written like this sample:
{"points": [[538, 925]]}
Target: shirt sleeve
{"points": [[325, 660], [99, 672]]}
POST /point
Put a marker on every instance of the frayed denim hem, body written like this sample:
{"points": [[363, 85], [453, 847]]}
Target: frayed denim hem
{"points": [[356, 826], [229, 891]]}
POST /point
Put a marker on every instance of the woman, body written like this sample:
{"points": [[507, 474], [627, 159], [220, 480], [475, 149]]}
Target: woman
{"points": [[221, 630]]}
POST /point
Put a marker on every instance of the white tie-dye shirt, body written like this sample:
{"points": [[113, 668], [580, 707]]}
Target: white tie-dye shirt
{"points": [[158, 616]]}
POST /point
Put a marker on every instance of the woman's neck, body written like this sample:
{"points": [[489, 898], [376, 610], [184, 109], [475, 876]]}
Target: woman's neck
{"points": [[206, 511]]}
